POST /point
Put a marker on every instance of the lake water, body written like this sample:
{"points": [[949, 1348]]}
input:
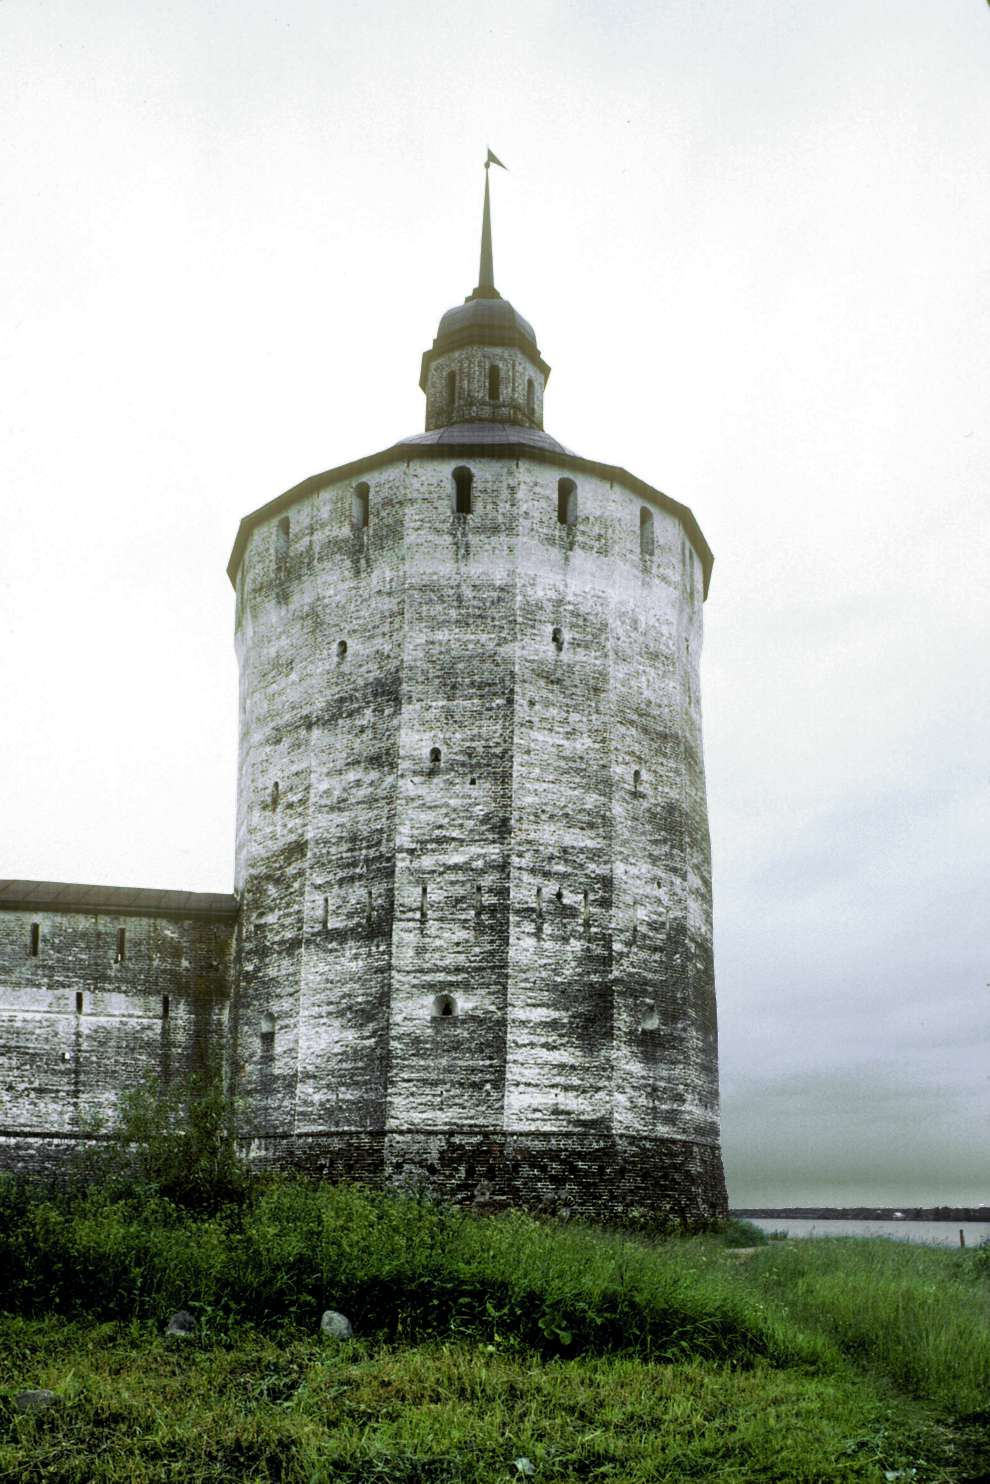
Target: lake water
{"points": [[940, 1233]]}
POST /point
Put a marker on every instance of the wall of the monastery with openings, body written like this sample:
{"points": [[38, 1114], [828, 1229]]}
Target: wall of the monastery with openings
{"points": [[472, 833], [484, 383], [94, 1005]]}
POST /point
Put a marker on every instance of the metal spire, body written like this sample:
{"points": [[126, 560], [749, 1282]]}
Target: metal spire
{"points": [[486, 274]]}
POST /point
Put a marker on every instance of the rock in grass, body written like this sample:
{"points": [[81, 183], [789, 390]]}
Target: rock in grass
{"points": [[181, 1326], [36, 1401], [524, 1465], [336, 1326]]}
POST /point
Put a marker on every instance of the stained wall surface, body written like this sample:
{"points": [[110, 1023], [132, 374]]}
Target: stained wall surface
{"points": [[86, 1015], [476, 908]]}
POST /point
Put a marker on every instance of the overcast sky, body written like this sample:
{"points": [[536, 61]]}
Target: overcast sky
{"points": [[753, 239]]}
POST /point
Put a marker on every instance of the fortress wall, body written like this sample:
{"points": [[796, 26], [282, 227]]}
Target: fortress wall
{"points": [[78, 1028], [317, 866], [454, 815], [560, 992], [583, 1034], [354, 698]]}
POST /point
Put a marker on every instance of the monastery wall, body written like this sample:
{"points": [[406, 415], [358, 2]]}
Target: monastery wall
{"points": [[86, 1015]]}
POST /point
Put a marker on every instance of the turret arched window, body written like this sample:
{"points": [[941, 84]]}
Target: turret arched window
{"points": [[567, 502], [282, 539], [530, 397], [359, 506], [451, 390], [647, 541], [463, 480], [494, 383]]}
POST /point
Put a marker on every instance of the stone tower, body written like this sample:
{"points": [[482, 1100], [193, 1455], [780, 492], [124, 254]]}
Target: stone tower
{"points": [[474, 948]]}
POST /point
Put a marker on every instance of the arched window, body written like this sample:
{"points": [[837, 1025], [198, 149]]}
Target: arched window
{"points": [[557, 639], [637, 780], [267, 1034], [567, 502], [494, 383], [647, 544], [282, 539], [530, 397], [359, 507], [275, 793], [463, 480], [451, 390], [341, 648], [444, 1007], [436, 757]]}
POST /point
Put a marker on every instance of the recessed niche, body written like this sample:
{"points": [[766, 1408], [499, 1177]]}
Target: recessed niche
{"points": [[649, 1020], [444, 1007]]}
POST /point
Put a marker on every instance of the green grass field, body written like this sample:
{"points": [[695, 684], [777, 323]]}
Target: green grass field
{"points": [[480, 1341]]}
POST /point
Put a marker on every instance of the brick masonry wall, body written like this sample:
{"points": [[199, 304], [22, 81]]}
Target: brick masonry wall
{"points": [[470, 365], [78, 1026], [559, 900]]}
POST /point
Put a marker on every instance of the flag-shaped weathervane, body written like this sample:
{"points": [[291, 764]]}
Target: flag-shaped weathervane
{"points": [[493, 159]]}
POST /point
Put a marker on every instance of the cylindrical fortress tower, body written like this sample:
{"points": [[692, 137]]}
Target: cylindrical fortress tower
{"points": [[472, 850]]}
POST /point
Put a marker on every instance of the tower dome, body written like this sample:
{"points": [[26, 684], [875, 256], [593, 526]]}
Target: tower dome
{"points": [[484, 365]]}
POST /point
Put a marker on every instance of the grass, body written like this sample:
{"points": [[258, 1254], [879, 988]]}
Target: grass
{"points": [[481, 1340]]}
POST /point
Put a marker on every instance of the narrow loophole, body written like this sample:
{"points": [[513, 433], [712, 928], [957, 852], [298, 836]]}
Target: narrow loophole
{"points": [[35, 942], [166, 1007], [422, 904], [341, 648], [121, 946], [79, 1002]]}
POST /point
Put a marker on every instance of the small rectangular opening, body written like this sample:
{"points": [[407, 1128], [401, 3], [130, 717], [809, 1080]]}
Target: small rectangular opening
{"points": [[166, 1006], [326, 913], [121, 946], [477, 901], [422, 904], [79, 1002], [369, 910], [35, 939]]}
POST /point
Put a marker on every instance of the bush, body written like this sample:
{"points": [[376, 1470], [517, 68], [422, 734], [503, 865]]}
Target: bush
{"points": [[176, 1143]]}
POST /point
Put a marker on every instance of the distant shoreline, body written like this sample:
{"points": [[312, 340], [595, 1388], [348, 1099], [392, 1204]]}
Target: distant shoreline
{"points": [[866, 1213]]}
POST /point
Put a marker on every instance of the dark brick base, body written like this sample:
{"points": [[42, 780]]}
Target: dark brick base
{"points": [[590, 1176]]}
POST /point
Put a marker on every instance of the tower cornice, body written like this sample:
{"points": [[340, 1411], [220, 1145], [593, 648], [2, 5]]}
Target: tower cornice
{"points": [[475, 441]]}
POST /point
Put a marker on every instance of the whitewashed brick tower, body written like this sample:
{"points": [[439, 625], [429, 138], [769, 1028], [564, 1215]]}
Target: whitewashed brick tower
{"points": [[474, 943]]}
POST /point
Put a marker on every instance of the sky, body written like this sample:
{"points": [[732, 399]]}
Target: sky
{"points": [[753, 241]]}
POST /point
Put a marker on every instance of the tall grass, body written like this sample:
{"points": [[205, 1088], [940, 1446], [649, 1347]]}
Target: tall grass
{"points": [[399, 1267], [920, 1315]]}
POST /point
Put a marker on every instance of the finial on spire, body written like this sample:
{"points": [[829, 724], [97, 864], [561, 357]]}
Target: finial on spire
{"points": [[486, 273]]}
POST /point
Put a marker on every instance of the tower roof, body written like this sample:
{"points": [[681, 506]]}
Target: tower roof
{"points": [[485, 318]]}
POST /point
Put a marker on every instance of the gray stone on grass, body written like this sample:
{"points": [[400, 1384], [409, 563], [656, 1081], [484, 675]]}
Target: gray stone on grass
{"points": [[181, 1326], [36, 1401], [336, 1326]]}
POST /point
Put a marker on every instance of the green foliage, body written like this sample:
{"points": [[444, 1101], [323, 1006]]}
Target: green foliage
{"points": [[739, 1233], [176, 1143], [138, 1411], [915, 1313]]}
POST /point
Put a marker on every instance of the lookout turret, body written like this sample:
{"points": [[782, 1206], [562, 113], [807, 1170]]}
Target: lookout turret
{"points": [[484, 365]]}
